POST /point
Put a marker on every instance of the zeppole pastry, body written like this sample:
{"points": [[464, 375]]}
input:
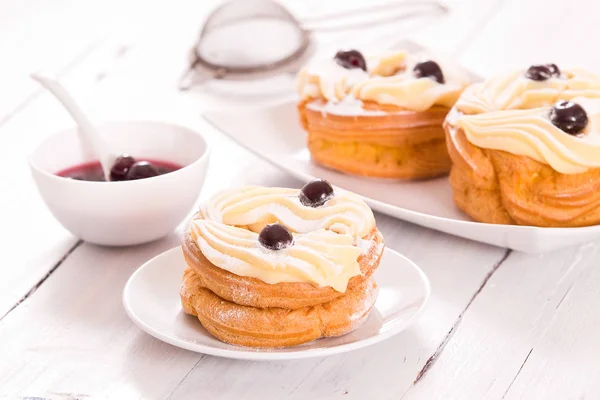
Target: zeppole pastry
{"points": [[526, 148], [379, 116], [276, 267]]}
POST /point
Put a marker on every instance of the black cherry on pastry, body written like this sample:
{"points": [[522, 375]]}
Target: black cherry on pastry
{"points": [[351, 59], [569, 117], [275, 237], [554, 69], [315, 193], [429, 69], [118, 172], [542, 72]]}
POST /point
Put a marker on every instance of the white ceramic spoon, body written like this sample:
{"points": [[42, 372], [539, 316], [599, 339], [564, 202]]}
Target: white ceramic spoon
{"points": [[89, 131]]}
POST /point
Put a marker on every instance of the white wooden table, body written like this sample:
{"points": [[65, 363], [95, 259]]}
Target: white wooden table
{"points": [[500, 324]]}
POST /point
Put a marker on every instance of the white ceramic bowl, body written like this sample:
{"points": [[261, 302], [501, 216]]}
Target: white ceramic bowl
{"points": [[128, 212]]}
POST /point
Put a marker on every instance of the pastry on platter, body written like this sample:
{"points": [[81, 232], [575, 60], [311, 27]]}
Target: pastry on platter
{"points": [[526, 148], [276, 267], [379, 116]]}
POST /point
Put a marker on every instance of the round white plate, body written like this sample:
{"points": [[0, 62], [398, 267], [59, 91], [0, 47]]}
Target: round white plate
{"points": [[151, 299]]}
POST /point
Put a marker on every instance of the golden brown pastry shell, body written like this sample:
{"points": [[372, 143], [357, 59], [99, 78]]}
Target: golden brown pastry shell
{"points": [[253, 292], [498, 187], [401, 144], [275, 327]]}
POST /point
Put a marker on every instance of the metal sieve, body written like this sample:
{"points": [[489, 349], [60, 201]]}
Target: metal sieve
{"points": [[247, 39]]}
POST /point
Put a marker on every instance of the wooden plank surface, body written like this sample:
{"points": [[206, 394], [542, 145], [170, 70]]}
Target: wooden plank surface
{"points": [[563, 362], [514, 322]]}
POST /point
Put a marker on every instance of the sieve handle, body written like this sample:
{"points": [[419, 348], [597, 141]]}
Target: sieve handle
{"points": [[196, 75], [381, 13], [192, 77]]}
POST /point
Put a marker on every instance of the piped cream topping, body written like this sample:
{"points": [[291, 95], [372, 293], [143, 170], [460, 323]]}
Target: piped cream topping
{"points": [[256, 206], [513, 91], [389, 80], [510, 112], [531, 133], [328, 240]]}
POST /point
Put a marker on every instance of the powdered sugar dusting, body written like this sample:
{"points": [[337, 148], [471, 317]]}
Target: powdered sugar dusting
{"points": [[364, 245], [348, 106]]}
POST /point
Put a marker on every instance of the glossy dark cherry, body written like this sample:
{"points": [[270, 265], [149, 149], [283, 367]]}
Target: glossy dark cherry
{"points": [[141, 170], [542, 72], [429, 69], [118, 172], [275, 237], [92, 171], [569, 117], [553, 69], [351, 59], [315, 193]]}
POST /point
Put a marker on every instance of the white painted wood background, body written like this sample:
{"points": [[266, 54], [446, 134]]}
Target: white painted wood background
{"points": [[500, 324]]}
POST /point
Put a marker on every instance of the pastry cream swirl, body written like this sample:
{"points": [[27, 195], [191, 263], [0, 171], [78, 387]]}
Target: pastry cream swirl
{"points": [[514, 91], [327, 239], [531, 133], [255, 207], [388, 80], [511, 113], [321, 257]]}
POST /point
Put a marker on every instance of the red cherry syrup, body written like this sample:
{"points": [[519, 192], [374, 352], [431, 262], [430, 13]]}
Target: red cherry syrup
{"points": [[92, 171]]}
